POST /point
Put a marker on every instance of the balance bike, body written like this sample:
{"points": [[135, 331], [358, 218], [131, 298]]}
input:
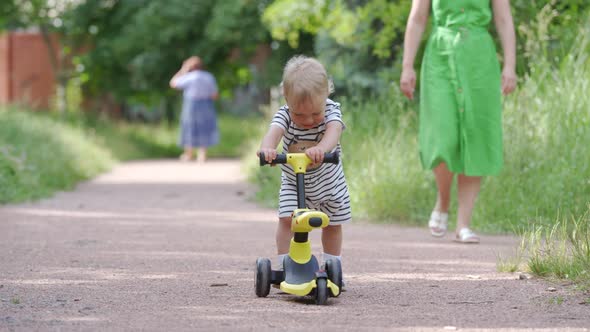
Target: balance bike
{"points": [[301, 273]]}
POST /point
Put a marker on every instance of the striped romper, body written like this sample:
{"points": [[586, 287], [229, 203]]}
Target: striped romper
{"points": [[325, 186]]}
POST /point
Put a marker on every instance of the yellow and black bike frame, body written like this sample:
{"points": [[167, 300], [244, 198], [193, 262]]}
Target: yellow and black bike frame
{"points": [[301, 268]]}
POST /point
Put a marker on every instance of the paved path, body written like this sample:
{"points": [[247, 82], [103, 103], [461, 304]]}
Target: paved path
{"points": [[168, 246]]}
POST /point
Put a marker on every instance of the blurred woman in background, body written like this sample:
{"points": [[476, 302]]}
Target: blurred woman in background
{"points": [[198, 121]]}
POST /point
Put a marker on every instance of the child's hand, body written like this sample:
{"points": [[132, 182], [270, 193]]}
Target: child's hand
{"points": [[269, 154], [316, 155]]}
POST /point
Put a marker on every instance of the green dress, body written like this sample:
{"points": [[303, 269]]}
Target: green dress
{"points": [[460, 103]]}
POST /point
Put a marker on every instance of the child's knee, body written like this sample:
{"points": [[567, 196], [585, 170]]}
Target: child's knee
{"points": [[285, 222], [333, 229]]}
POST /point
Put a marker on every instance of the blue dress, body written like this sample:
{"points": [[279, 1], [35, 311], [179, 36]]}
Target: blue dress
{"points": [[198, 121]]}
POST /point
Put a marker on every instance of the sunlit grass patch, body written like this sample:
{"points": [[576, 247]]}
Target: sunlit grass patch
{"points": [[546, 166], [43, 152], [560, 251], [39, 155], [131, 141], [514, 262]]}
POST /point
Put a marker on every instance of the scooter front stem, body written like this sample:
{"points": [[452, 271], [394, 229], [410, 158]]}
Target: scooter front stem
{"points": [[300, 237], [300, 190]]}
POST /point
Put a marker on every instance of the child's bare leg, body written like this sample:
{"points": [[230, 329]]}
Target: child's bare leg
{"points": [[332, 240], [284, 235]]}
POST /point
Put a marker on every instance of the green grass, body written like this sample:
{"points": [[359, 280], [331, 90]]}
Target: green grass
{"points": [[560, 251], [513, 262], [546, 172], [131, 141], [39, 155], [42, 152], [546, 167]]}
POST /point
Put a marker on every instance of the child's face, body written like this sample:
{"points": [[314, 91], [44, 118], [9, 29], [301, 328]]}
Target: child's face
{"points": [[307, 114]]}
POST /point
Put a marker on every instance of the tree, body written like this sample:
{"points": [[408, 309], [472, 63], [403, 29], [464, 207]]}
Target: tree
{"points": [[365, 55], [45, 15], [357, 40], [136, 46]]}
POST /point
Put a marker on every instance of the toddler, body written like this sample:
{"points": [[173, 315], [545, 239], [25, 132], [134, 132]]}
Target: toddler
{"points": [[309, 123]]}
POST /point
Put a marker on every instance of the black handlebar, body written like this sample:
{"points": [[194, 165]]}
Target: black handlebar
{"points": [[329, 157]]}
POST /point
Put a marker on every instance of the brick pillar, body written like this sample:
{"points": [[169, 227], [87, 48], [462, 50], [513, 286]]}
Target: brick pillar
{"points": [[26, 75], [5, 69]]}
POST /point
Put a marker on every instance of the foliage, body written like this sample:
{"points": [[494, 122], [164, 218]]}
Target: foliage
{"points": [[131, 141], [563, 17], [39, 155], [144, 42], [7, 10], [353, 38], [287, 19], [560, 251], [34, 13], [549, 111], [382, 26], [131, 49], [365, 57]]}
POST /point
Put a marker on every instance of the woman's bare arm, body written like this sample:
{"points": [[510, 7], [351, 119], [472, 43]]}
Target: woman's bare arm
{"points": [[414, 31], [505, 27]]}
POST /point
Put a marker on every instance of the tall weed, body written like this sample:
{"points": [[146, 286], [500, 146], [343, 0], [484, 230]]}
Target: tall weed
{"points": [[546, 123], [381, 159], [560, 251]]}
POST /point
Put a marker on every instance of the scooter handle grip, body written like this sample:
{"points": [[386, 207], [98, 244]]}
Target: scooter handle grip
{"points": [[280, 159], [329, 157]]}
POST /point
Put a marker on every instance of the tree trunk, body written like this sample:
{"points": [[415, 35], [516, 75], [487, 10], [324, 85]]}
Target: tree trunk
{"points": [[61, 78]]}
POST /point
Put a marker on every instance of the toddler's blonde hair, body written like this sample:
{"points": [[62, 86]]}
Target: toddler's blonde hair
{"points": [[305, 79]]}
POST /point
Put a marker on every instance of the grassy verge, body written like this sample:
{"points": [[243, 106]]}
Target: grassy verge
{"points": [[131, 141], [41, 153], [559, 252]]}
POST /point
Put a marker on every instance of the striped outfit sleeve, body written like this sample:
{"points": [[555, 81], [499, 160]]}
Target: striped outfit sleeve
{"points": [[333, 113], [281, 118]]}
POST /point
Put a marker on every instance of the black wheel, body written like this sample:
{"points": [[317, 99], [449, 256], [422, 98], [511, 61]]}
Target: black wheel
{"points": [[321, 291], [334, 271], [263, 276]]}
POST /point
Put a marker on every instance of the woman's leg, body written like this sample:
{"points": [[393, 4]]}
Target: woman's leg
{"points": [[188, 154], [444, 180], [202, 155], [468, 188], [332, 240]]}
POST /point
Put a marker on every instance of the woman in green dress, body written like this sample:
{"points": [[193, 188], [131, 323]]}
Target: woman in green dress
{"points": [[460, 91]]}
